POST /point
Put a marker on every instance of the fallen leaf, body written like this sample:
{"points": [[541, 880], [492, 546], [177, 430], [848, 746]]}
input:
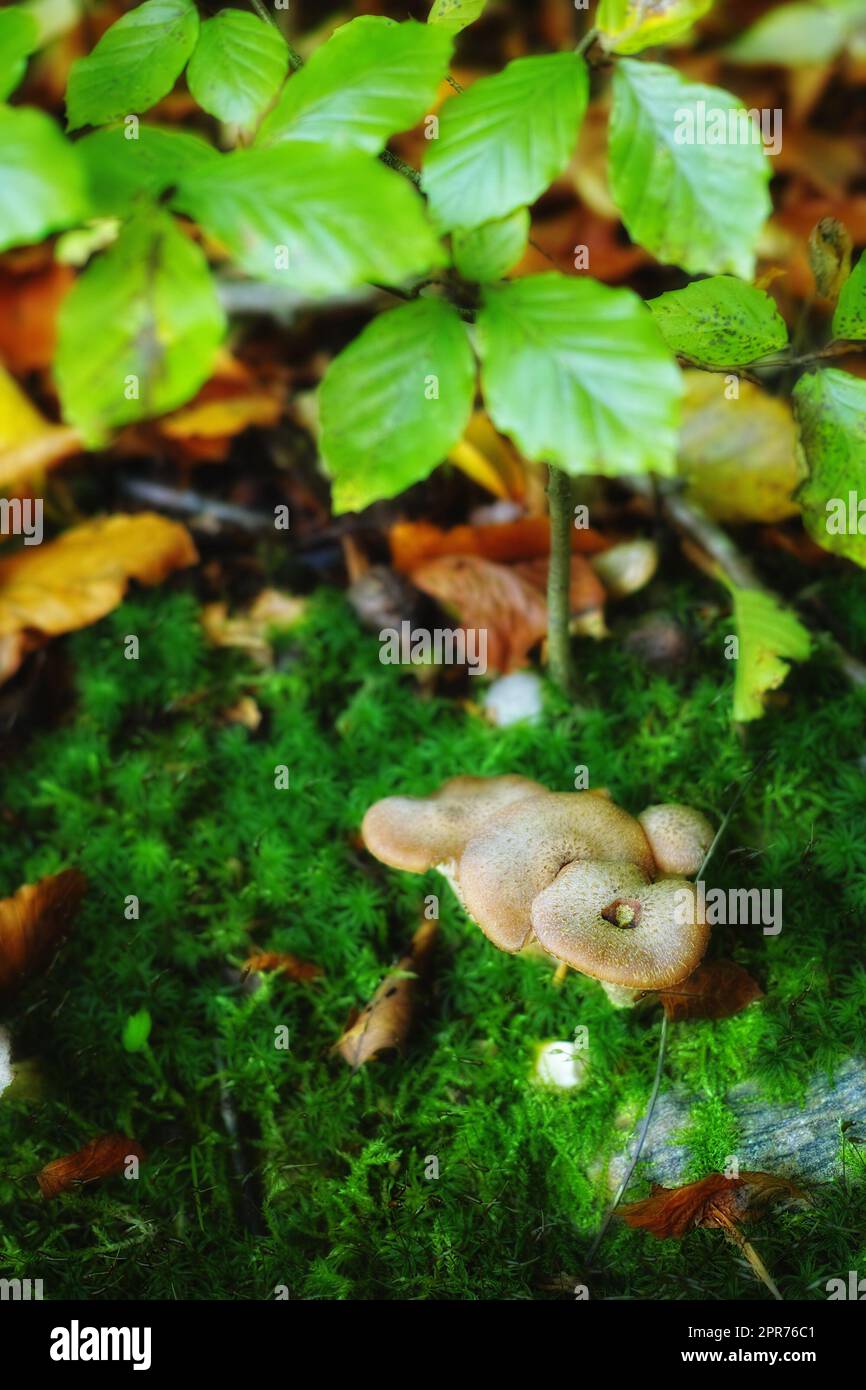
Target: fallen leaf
{"points": [[738, 457], [671, 1212], [29, 444], [69, 583], [29, 304], [34, 922], [244, 711], [490, 460], [385, 1022], [414, 543], [263, 962], [586, 592], [717, 989], [490, 598], [770, 637], [103, 1157], [272, 611]]}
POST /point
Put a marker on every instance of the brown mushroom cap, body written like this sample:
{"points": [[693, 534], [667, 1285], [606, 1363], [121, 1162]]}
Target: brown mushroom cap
{"points": [[522, 849], [415, 833], [608, 922], [679, 837]]}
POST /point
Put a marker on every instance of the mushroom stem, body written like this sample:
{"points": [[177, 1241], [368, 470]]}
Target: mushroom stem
{"points": [[559, 500], [559, 975]]}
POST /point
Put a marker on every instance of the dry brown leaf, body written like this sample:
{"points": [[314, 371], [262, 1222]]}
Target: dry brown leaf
{"points": [[717, 989], [385, 1022], [244, 711], [490, 598], [263, 962], [671, 1212], [29, 304], [73, 581], [414, 543], [34, 922], [586, 592], [272, 611], [102, 1157]]}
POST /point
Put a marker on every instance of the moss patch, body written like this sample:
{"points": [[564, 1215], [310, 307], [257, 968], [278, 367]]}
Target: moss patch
{"points": [[150, 793]]}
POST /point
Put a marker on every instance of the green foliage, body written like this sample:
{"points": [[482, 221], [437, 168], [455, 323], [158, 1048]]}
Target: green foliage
{"points": [[455, 14], [487, 252], [394, 403], [831, 411], [801, 34], [41, 180], [136, 1031], [628, 26], [849, 320], [135, 64], [149, 314], [142, 770], [505, 139], [121, 172], [720, 322], [238, 66], [577, 373], [371, 79], [767, 633], [695, 203], [18, 38], [312, 217]]}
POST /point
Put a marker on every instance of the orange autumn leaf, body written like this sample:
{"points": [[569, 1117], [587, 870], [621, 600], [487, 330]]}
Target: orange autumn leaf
{"points": [[384, 1022], [492, 599], [73, 581], [34, 922], [103, 1157], [717, 989], [671, 1212], [29, 304], [414, 543], [263, 962]]}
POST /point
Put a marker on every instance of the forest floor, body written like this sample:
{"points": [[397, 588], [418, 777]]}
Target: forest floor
{"points": [[273, 1167]]}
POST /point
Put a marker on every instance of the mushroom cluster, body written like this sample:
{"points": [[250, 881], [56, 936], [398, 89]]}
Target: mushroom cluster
{"points": [[596, 888]]}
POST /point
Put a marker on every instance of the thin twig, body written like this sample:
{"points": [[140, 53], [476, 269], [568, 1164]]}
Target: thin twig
{"points": [[663, 1037]]}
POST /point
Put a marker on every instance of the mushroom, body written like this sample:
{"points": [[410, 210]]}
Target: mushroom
{"points": [[609, 922], [572, 873], [418, 833], [521, 850], [679, 837]]}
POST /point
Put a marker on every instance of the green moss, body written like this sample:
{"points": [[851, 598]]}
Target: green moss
{"points": [[147, 789]]}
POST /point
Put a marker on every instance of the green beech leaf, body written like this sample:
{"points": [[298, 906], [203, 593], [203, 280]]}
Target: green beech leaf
{"points": [[312, 217], [41, 179], [139, 330], [720, 322], [395, 402], [19, 36], [769, 638], [831, 412], [136, 1031], [135, 64], [578, 375], [119, 170], [696, 204], [487, 252], [627, 26], [371, 79], [849, 320], [800, 34], [237, 67], [455, 14], [502, 142]]}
